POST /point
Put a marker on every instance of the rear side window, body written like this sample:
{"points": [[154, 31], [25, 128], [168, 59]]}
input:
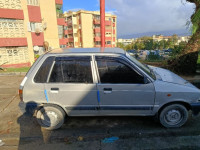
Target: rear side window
{"points": [[43, 72], [72, 70], [117, 72]]}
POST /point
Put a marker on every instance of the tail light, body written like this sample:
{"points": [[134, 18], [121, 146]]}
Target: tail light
{"points": [[21, 94]]}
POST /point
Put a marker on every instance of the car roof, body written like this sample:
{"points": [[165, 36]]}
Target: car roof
{"points": [[87, 50]]}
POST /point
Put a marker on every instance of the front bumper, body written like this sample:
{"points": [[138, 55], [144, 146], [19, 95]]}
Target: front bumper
{"points": [[195, 108]]}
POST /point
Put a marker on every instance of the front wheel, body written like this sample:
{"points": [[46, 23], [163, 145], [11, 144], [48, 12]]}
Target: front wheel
{"points": [[51, 117], [173, 116]]}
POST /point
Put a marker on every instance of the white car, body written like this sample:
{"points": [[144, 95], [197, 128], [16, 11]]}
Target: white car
{"points": [[104, 82]]}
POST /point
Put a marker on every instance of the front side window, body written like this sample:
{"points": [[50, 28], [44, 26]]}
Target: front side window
{"points": [[72, 70], [117, 72]]}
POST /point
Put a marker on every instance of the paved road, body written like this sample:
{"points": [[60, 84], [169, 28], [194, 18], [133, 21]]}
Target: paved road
{"points": [[22, 132]]}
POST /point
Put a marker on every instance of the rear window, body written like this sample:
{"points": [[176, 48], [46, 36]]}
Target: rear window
{"points": [[72, 70], [43, 72]]}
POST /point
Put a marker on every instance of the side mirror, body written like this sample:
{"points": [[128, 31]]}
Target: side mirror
{"points": [[146, 80]]}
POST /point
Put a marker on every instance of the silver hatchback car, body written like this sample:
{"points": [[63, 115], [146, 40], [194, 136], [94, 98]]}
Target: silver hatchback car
{"points": [[104, 82]]}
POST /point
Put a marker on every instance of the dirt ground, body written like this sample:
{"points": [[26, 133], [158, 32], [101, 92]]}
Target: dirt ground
{"points": [[19, 131]]}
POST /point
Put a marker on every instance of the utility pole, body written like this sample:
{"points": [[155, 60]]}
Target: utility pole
{"points": [[102, 15]]}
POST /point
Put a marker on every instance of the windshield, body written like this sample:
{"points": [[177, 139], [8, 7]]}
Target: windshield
{"points": [[145, 68]]}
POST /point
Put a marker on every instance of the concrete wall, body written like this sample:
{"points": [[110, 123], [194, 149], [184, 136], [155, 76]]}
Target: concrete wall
{"points": [[87, 30]]}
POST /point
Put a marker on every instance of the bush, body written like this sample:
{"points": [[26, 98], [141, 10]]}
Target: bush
{"points": [[154, 57]]}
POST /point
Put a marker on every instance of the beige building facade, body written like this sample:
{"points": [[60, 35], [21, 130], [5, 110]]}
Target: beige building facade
{"points": [[83, 29], [24, 27]]}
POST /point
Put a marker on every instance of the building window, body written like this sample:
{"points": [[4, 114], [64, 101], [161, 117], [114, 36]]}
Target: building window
{"points": [[60, 32], [63, 46], [97, 17], [97, 43], [33, 2], [35, 27], [108, 42], [59, 11], [32, 27], [97, 26], [113, 19]]}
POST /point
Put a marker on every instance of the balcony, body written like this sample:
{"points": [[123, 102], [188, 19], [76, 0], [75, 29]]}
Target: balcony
{"points": [[108, 45], [59, 2], [11, 14], [71, 39], [66, 32], [4, 42], [96, 21], [69, 22], [109, 30], [70, 31], [63, 41], [113, 24], [97, 30], [108, 38], [61, 21], [97, 45], [97, 38], [113, 39], [108, 23], [114, 32]]}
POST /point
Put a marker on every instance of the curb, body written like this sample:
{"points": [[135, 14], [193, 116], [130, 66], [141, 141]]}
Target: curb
{"points": [[13, 74]]}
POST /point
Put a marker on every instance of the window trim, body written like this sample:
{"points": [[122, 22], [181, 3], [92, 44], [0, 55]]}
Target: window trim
{"points": [[121, 60], [72, 57]]}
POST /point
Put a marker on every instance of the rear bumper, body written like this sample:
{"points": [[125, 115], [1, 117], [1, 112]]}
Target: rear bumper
{"points": [[28, 108], [195, 108]]}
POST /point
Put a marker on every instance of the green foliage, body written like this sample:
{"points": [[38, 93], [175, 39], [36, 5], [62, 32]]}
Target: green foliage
{"points": [[121, 45], [37, 56], [154, 57], [195, 19], [178, 49]]}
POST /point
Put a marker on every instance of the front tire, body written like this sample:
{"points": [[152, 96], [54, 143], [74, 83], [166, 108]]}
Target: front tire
{"points": [[50, 117], [173, 116]]}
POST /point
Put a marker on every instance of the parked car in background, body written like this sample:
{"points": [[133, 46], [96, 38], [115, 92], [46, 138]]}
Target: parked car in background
{"points": [[132, 52], [104, 82]]}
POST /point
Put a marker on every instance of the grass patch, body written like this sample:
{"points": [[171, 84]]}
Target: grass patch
{"points": [[6, 70]]}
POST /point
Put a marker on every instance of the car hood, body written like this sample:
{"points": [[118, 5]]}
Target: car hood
{"points": [[168, 76]]}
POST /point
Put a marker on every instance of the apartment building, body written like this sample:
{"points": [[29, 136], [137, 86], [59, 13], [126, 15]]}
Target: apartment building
{"points": [[24, 27], [83, 29], [126, 41]]}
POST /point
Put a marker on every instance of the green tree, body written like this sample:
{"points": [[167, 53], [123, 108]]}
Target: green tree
{"points": [[186, 62], [120, 45], [175, 39], [148, 44]]}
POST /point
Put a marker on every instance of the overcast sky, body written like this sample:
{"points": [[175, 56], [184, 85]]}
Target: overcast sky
{"points": [[139, 16]]}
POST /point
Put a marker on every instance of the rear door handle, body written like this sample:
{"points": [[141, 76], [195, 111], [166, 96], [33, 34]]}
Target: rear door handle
{"points": [[107, 90], [54, 89]]}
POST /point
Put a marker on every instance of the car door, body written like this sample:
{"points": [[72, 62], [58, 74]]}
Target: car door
{"points": [[122, 89], [71, 85]]}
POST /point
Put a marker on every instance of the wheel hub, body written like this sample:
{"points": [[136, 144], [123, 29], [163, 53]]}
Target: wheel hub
{"points": [[49, 118], [173, 116]]}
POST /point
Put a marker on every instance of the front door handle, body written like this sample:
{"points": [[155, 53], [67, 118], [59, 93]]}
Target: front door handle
{"points": [[107, 90], [54, 89]]}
